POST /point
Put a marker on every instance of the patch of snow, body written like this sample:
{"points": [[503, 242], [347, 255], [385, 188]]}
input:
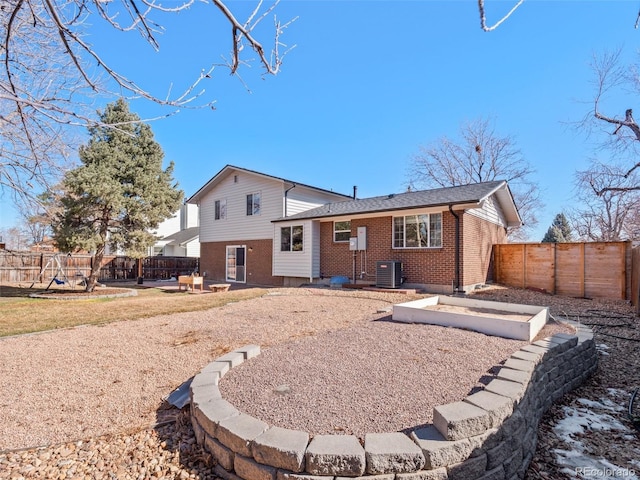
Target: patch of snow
{"points": [[604, 404], [578, 420], [614, 392]]}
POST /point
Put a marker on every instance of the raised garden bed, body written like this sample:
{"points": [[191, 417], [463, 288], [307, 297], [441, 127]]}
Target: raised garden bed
{"points": [[509, 320]]}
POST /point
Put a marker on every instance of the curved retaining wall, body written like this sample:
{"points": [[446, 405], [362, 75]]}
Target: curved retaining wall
{"points": [[491, 435]]}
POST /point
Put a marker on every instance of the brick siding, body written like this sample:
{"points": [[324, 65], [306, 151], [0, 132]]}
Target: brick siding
{"points": [[425, 266], [478, 237], [258, 262], [431, 266]]}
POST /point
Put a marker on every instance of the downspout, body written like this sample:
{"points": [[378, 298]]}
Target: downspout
{"points": [[286, 193], [457, 251]]}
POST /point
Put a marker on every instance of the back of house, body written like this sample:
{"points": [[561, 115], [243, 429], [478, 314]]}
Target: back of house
{"points": [[265, 230]]}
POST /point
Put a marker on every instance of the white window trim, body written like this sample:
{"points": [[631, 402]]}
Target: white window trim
{"points": [[291, 227], [252, 214], [393, 240], [220, 201], [341, 231]]}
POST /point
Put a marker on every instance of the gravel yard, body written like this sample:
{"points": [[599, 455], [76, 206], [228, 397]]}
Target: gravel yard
{"points": [[81, 402], [378, 377]]}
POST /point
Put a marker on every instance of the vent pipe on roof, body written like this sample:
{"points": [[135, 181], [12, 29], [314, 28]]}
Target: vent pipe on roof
{"points": [[355, 191]]}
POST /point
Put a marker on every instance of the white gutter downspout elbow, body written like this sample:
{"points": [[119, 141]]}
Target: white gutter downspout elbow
{"points": [[286, 194]]}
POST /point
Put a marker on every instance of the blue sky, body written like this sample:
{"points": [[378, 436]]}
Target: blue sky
{"points": [[371, 81]]}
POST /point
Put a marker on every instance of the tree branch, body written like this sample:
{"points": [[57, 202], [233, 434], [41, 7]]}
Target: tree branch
{"points": [[628, 122], [483, 20]]}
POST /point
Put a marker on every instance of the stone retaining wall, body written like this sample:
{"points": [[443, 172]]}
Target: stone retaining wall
{"points": [[490, 435]]}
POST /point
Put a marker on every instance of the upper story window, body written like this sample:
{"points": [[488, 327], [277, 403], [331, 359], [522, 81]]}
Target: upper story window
{"points": [[221, 209], [253, 204], [291, 238], [342, 231], [417, 231]]}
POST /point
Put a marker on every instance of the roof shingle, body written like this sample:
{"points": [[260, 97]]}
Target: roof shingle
{"points": [[471, 193]]}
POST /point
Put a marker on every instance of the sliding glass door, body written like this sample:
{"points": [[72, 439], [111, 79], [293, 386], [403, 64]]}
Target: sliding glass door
{"points": [[236, 263]]}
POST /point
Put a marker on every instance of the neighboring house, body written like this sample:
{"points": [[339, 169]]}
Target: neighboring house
{"points": [[178, 235], [237, 207], [443, 237]]}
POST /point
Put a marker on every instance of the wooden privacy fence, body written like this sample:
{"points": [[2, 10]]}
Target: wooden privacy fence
{"points": [[16, 267], [635, 278], [591, 269]]}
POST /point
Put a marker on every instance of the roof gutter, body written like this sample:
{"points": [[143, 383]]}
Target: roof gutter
{"points": [[456, 287], [328, 214]]}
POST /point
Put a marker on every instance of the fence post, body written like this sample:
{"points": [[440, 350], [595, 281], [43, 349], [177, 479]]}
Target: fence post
{"points": [[555, 267], [582, 270], [140, 276], [635, 278], [41, 264], [496, 263], [524, 265]]}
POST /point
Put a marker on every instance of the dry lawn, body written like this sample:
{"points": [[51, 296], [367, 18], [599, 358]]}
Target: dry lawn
{"points": [[20, 314]]}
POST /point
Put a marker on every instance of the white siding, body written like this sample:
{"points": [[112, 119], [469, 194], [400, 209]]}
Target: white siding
{"points": [[294, 264], [173, 251], [189, 216], [490, 211], [300, 199], [238, 225], [315, 254], [193, 248]]}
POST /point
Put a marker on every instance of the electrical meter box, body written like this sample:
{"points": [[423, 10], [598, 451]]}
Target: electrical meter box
{"points": [[359, 242]]}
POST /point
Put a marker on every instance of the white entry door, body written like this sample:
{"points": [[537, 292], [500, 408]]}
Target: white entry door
{"points": [[236, 263]]}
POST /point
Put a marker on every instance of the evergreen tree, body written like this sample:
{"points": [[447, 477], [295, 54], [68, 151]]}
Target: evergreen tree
{"points": [[559, 231], [119, 193]]}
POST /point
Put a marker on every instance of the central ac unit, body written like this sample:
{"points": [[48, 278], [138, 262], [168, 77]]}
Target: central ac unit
{"points": [[389, 274]]}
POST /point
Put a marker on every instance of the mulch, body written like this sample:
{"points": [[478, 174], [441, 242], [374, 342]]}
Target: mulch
{"points": [[617, 335]]}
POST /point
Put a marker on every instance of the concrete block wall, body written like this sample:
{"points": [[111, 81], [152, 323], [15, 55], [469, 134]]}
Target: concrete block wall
{"points": [[490, 435]]}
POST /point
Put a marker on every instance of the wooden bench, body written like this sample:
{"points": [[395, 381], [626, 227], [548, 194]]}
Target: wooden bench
{"points": [[188, 280], [220, 287]]}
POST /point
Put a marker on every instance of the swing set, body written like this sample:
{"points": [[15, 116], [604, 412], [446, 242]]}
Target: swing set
{"points": [[60, 265]]}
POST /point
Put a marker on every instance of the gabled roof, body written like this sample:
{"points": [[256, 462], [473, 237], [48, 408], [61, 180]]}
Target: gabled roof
{"points": [[469, 196], [227, 169], [183, 236]]}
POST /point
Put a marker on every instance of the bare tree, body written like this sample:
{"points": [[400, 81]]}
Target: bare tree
{"points": [[608, 205], [479, 154], [48, 71], [619, 133]]}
